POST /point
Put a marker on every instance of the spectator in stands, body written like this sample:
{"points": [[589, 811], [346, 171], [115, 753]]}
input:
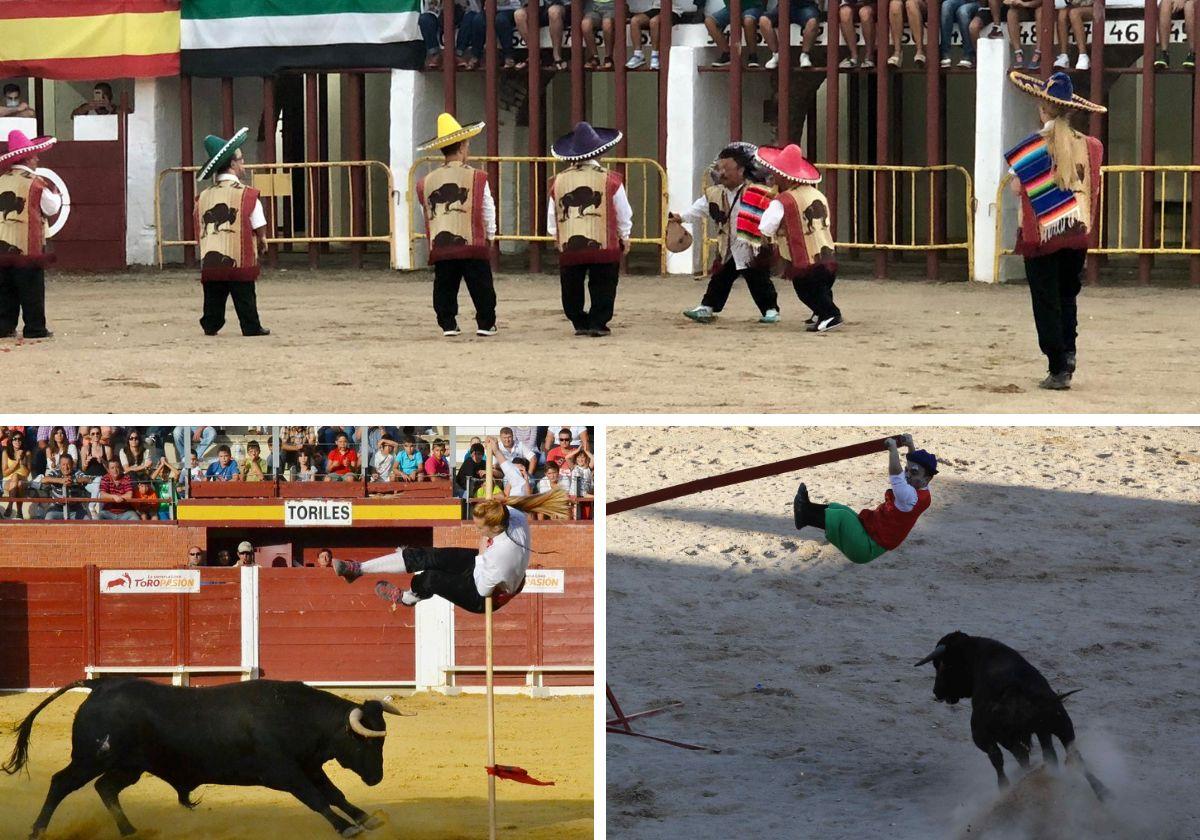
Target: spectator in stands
{"points": [[65, 481], [224, 558], [805, 14], [163, 479], [14, 105], [1167, 11], [100, 103], [59, 442], [70, 437], [383, 462], [254, 468], [639, 22], [960, 12], [94, 454], [564, 450], [718, 22], [471, 471], [512, 448], [195, 468], [325, 558], [292, 440], [17, 466], [1078, 14], [409, 460], [915, 10], [430, 24], [245, 554], [600, 15], [306, 465], [135, 457], [436, 465], [116, 491], [581, 473], [471, 35], [506, 25], [224, 468], [1018, 11], [514, 472], [864, 11], [550, 478], [202, 438], [342, 463], [195, 556], [553, 13]]}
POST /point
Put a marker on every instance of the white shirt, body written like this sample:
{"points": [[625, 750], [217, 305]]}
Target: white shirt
{"points": [[771, 219], [519, 450], [382, 463], [905, 494], [515, 484], [51, 201], [505, 560], [489, 213], [258, 219], [741, 251], [620, 207]]}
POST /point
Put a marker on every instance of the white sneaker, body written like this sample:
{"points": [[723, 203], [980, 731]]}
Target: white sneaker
{"points": [[486, 331], [805, 61], [966, 64], [1062, 62], [702, 314], [868, 63], [635, 61], [772, 62], [945, 62], [452, 333], [1084, 63], [848, 64], [654, 60]]}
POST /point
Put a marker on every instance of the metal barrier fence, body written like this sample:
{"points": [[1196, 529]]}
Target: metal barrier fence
{"points": [[1115, 220], [921, 227], [519, 182], [339, 203]]}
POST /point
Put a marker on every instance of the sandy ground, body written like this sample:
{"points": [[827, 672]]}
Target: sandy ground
{"points": [[1077, 547], [434, 785], [347, 339]]}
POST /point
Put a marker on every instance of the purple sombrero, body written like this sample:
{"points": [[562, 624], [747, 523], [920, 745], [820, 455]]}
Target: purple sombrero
{"points": [[585, 142]]}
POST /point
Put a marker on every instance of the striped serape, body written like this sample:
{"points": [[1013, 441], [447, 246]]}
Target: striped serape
{"points": [[1056, 208]]}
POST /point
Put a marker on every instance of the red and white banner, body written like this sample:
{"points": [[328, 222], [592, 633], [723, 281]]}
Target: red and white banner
{"points": [[143, 582]]}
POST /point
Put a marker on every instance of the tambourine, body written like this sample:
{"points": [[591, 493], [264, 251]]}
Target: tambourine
{"points": [[60, 219]]}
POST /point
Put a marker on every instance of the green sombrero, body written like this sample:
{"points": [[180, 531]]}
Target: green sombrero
{"points": [[220, 152]]}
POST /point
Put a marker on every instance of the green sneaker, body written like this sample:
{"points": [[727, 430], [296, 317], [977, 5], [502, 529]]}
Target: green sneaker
{"points": [[771, 316], [700, 314]]}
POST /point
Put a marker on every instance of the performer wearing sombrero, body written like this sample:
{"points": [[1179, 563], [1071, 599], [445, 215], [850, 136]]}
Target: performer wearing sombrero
{"points": [[1057, 176], [460, 219], [26, 199], [590, 217], [798, 218], [726, 204], [232, 229]]}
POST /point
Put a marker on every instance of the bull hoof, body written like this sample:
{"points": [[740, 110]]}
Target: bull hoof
{"points": [[352, 831]]}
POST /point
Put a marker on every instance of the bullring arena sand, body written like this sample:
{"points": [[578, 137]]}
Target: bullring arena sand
{"points": [[1078, 547], [434, 781], [347, 339]]}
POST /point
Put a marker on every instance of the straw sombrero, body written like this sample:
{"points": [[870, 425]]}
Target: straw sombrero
{"points": [[21, 147], [585, 142], [220, 152], [1057, 89], [788, 162], [449, 133]]}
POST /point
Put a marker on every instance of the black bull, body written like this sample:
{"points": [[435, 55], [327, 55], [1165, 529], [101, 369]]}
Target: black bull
{"points": [[262, 732], [1011, 702]]}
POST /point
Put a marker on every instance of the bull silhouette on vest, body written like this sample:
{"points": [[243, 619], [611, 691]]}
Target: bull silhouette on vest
{"points": [[446, 195], [446, 239], [826, 254], [10, 202], [716, 213], [8, 248], [215, 259], [217, 215], [816, 212], [581, 198], [579, 242]]}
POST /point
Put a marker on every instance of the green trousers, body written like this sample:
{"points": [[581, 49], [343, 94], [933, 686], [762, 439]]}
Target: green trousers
{"points": [[844, 529]]}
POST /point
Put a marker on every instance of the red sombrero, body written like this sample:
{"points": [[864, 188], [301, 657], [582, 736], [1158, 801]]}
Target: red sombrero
{"points": [[21, 147], [789, 163]]}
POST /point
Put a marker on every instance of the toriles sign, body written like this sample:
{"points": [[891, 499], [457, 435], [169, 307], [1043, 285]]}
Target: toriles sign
{"points": [[142, 582], [545, 581], [325, 512]]}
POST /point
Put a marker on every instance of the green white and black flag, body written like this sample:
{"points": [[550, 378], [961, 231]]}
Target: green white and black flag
{"points": [[263, 37]]}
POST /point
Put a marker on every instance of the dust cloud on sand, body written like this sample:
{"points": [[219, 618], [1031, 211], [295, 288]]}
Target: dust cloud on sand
{"points": [[1077, 547], [434, 786]]}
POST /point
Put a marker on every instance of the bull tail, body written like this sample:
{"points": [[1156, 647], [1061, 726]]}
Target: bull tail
{"points": [[1067, 694], [20, 753]]}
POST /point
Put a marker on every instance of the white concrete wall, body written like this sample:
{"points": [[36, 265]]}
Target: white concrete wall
{"points": [[415, 105], [154, 144]]}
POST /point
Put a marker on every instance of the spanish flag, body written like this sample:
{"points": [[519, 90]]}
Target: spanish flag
{"points": [[89, 39]]}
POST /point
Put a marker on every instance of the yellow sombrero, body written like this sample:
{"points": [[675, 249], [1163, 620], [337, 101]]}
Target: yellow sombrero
{"points": [[449, 133], [1057, 89]]}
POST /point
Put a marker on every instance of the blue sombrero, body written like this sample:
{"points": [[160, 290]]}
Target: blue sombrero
{"points": [[1057, 89], [585, 142]]}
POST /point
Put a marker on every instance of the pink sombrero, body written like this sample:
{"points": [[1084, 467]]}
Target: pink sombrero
{"points": [[788, 162], [21, 147]]}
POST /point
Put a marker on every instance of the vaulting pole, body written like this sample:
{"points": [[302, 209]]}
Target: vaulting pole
{"points": [[491, 696]]}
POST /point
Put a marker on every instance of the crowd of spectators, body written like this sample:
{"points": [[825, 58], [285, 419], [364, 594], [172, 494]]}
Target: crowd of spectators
{"points": [[528, 459]]}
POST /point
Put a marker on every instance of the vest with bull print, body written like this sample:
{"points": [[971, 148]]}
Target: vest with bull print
{"points": [[452, 198], [804, 239], [718, 213], [227, 247], [22, 228], [586, 218]]}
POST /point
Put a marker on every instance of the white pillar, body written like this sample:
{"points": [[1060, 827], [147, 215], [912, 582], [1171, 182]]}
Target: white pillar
{"points": [[434, 642], [152, 144], [415, 105], [249, 589]]}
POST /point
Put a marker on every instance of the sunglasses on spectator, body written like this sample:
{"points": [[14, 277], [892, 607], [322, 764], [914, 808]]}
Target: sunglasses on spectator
{"points": [[193, 554], [245, 553]]}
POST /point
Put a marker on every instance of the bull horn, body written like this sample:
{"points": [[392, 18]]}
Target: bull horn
{"points": [[389, 705], [357, 725], [937, 651]]}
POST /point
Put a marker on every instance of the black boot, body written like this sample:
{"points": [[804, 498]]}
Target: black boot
{"points": [[798, 505]]}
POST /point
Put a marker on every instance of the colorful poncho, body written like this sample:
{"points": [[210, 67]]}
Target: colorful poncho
{"points": [[1057, 209], [754, 201]]}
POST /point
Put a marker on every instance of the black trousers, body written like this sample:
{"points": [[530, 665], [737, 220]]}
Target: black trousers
{"points": [[758, 281], [1054, 284], [601, 281], [448, 572], [448, 276], [245, 303], [815, 290], [23, 291]]}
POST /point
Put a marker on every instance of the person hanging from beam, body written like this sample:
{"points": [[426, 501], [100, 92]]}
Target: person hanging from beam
{"points": [[866, 535], [464, 576]]}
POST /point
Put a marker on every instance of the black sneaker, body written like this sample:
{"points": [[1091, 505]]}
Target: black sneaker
{"points": [[722, 61], [1190, 61], [600, 332], [830, 324], [1071, 363], [582, 331], [1162, 62], [752, 61], [1056, 382], [798, 505], [348, 569]]}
